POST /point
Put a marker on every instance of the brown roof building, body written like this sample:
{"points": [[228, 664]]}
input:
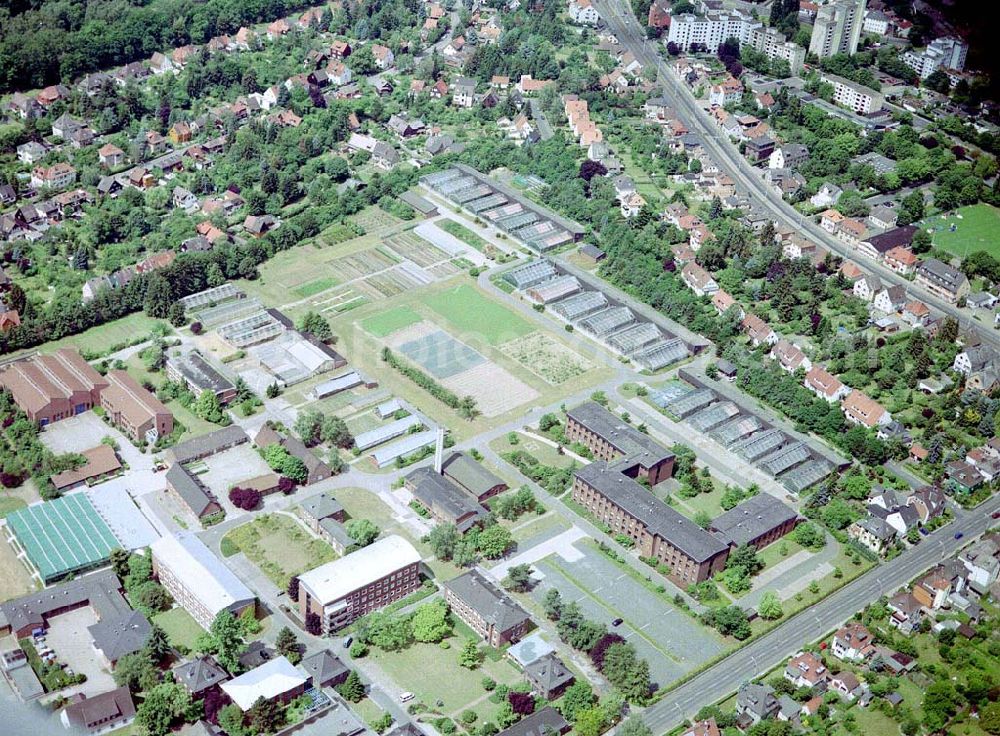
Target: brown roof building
{"points": [[135, 410], [101, 461], [101, 713], [53, 387]]}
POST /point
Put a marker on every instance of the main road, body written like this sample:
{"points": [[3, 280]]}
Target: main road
{"points": [[618, 17]]}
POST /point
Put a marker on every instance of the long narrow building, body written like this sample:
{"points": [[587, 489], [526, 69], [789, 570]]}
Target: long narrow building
{"points": [[610, 439], [660, 532]]}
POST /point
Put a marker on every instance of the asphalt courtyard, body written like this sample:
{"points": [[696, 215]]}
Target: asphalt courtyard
{"points": [[668, 638]]}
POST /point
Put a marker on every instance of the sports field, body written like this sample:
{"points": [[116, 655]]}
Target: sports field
{"points": [[391, 320], [472, 314], [63, 536], [969, 229]]}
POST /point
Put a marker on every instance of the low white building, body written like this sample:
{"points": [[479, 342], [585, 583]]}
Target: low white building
{"points": [[277, 679]]}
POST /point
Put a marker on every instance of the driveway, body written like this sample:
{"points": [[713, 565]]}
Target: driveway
{"points": [[68, 637]]}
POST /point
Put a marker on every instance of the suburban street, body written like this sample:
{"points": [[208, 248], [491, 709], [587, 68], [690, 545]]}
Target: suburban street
{"points": [[620, 20], [718, 681]]}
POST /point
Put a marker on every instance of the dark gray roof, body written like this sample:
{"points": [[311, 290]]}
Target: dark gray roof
{"points": [[469, 474], [209, 444], [102, 590], [322, 505], [323, 667], [659, 518], [758, 699], [897, 237], [751, 519], [941, 274], [628, 440], [199, 674], [548, 673], [189, 489], [97, 710], [200, 373], [483, 596], [445, 498], [117, 636], [540, 723]]}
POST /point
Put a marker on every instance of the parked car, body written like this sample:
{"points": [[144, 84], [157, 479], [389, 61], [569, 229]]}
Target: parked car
{"points": [[616, 622], [959, 535], [995, 515], [406, 697]]}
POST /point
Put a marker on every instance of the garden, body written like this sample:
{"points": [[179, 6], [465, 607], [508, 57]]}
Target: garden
{"points": [[279, 546]]}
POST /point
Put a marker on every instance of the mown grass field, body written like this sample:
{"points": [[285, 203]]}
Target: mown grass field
{"points": [[469, 312], [391, 320], [977, 227]]}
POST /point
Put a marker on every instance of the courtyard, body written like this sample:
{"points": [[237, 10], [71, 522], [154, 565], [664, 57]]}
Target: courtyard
{"points": [[68, 637], [279, 546]]}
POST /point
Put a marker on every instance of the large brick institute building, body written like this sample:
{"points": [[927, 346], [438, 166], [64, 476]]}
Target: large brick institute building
{"points": [[53, 387], [608, 489], [610, 439]]}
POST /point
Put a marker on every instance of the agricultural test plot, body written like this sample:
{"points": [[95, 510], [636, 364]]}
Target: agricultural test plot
{"points": [[441, 355], [375, 219], [551, 361], [495, 389], [412, 247], [361, 264]]}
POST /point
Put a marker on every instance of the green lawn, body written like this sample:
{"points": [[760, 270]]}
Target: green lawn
{"points": [[707, 502], [468, 312], [977, 227], [279, 546], [101, 339], [391, 320], [9, 504], [461, 232], [315, 287], [454, 685], [181, 629], [771, 555]]}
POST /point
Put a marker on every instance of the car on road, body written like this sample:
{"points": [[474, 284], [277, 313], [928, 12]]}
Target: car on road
{"points": [[348, 640], [959, 535], [995, 515], [617, 622]]}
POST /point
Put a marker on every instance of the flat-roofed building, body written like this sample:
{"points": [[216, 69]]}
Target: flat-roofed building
{"points": [[488, 611], [135, 410], [199, 375], [612, 440], [759, 520], [197, 579], [658, 530], [52, 387], [342, 591]]}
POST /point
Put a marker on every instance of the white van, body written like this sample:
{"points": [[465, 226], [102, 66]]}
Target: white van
{"points": [[405, 697]]}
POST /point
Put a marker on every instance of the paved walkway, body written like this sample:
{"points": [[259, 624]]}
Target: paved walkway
{"points": [[561, 544]]}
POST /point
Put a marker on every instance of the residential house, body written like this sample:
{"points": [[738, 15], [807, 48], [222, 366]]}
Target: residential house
{"points": [[790, 357], [99, 714], [464, 92], [698, 280], [111, 156], [755, 703], [867, 287], [789, 156], [583, 12], [962, 477], [858, 408], [915, 313], [853, 642], [890, 300], [31, 152], [873, 533], [847, 684], [722, 301], [57, 176], [942, 280], [384, 58], [631, 204], [905, 612], [830, 220], [759, 332], [828, 195], [981, 561], [901, 260], [877, 246], [883, 218], [805, 669]]}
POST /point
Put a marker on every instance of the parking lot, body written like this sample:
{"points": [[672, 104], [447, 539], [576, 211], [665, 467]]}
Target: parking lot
{"points": [[230, 468], [85, 431], [672, 641], [68, 637]]}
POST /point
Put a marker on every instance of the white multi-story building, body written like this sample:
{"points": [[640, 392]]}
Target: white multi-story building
{"points": [[712, 30], [876, 23], [837, 28], [863, 100], [197, 579], [941, 53]]}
